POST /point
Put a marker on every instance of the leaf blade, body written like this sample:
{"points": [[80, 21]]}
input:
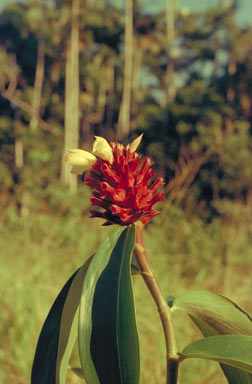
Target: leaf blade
{"points": [[202, 307], [110, 340], [69, 324], [220, 313], [234, 350], [99, 263], [54, 344]]}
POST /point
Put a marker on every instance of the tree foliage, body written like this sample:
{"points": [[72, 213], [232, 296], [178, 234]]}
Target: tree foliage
{"points": [[200, 137]]}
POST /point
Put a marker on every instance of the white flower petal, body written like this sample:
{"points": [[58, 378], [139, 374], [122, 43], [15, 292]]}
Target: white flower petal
{"points": [[135, 143], [102, 149], [80, 151], [76, 170], [80, 158]]}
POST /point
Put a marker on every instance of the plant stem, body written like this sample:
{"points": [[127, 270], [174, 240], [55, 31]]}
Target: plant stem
{"points": [[163, 309]]}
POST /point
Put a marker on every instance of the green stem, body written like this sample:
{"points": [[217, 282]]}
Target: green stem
{"points": [[163, 309]]}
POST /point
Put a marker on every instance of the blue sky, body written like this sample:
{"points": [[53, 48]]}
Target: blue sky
{"points": [[244, 15]]}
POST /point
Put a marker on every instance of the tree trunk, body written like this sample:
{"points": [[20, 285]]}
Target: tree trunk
{"points": [[19, 152], [171, 10], [72, 94], [124, 115], [38, 84], [137, 56], [137, 67], [107, 129]]}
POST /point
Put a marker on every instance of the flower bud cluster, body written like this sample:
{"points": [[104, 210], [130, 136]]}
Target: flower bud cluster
{"points": [[121, 182]]}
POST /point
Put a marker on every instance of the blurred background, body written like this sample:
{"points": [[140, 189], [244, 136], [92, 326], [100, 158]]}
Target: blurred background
{"points": [[180, 71]]}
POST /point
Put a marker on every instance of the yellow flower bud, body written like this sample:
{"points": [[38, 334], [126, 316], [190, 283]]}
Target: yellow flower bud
{"points": [[135, 143], [81, 160], [102, 149]]}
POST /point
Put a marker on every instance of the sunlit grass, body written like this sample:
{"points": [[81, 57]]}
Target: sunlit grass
{"points": [[39, 253]]}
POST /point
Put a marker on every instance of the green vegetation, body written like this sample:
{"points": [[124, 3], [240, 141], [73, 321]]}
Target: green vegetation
{"points": [[38, 254], [190, 93]]}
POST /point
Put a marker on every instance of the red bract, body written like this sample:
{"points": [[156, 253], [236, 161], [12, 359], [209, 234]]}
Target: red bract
{"points": [[122, 189]]}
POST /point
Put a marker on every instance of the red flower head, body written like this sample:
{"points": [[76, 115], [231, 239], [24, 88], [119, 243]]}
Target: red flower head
{"points": [[121, 186]]}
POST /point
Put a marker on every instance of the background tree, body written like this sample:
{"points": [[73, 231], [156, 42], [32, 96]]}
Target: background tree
{"points": [[124, 114], [71, 135], [206, 57]]}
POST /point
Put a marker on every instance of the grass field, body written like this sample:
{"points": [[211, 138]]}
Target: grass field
{"points": [[38, 253]]}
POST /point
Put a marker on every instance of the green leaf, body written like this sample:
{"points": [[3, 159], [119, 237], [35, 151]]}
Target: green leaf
{"points": [[234, 350], [59, 333], [233, 375], [135, 269], [214, 314], [77, 371], [108, 339], [220, 313]]}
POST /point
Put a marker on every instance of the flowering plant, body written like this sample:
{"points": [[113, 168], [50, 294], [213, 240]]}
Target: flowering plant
{"points": [[120, 188], [96, 305]]}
